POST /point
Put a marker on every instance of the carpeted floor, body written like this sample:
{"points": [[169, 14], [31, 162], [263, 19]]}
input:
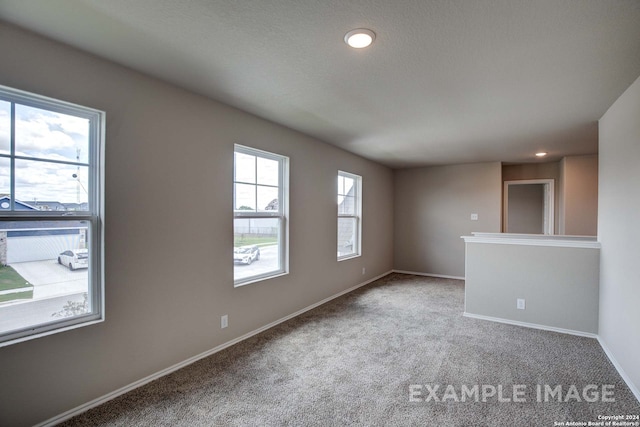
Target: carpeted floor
{"points": [[374, 358]]}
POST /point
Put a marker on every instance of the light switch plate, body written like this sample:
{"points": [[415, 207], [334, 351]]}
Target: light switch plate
{"points": [[474, 217]]}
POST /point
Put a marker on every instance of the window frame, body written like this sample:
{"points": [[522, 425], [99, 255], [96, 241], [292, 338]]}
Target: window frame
{"points": [[94, 216], [282, 213], [357, 215]]}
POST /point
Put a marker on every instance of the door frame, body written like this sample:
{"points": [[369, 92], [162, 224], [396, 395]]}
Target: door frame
{"points": [[549, 199]]}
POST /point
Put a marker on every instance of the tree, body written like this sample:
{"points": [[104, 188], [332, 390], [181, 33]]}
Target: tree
{"points": [[74, 308]]}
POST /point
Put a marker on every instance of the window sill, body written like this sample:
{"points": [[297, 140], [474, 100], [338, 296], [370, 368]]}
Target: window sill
{"points": [[259, 279], [347, 257], [75, 325]]}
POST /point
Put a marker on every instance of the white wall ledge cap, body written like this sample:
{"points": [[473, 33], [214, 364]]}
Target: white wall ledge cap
{"points": [[589, 242]]}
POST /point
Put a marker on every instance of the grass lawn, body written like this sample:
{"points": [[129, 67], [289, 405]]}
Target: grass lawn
{"points": [[10, 279], [254, 240], [17, 295]]}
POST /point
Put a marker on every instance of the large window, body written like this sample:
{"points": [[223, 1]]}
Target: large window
{"points": [[51, 273], [349, 215], [260, 181]]}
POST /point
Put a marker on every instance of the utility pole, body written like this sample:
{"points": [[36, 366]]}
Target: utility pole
{"points": [[78, 175]]}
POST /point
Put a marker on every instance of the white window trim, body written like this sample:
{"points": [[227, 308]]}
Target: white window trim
{"points": [[357, 215], [282, 213], [95, 216]]}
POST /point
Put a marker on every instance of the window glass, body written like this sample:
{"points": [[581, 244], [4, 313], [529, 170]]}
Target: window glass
{"points": [[38, 182], [5, 127], [41, 280], [51, 135], [260, 215], [5, 177], [50, 216], [256, 247], [245, 168], [349, 214], [267, 171], [245, 197]]}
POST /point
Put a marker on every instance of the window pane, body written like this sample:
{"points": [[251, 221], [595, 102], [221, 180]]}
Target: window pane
{"points": [[268, 171], [340, 184], [347, 239], [5, 180], [268, 198], [346, 206], [256, 247], [348, 186], [245, 197], [51, 135], [46, 266], [5, 127], [37, 283], [245, 168], [52, 186]]}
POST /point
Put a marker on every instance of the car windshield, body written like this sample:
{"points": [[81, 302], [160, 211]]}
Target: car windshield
{"points": [[242, 250], [83, 254]]}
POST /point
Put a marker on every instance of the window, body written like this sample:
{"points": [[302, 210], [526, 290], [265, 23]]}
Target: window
{"points": [[349, 215], [51, 204], [260, 181]]}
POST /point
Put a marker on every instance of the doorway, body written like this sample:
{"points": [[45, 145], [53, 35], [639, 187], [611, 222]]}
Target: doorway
{"points": [[528, 206]]}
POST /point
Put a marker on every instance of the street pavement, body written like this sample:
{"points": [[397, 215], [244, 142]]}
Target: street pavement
{"points": [[268, 262], [54, 285], [24, 315]]}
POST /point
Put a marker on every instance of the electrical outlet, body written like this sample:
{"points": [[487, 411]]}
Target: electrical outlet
{"points": [[224, 321], [520, 304], [364, 270], [474, 217]]}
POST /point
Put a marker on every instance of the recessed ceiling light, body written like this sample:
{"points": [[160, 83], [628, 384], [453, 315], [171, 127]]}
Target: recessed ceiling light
{"points": [[359, 38], [541, 154]]}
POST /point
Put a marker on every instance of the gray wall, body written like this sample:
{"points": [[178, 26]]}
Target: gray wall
{"points": [[559, 284], [619, 231], [526, 209], [169, 275], [432, 210], [579, 195]]}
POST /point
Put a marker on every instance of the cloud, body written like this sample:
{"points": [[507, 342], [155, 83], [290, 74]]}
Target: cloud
{"points": [[51, 135], [50, 181], [5, 127], [45, 135]]}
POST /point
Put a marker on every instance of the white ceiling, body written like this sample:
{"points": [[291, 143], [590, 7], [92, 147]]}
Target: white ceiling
{"points": [[449, 81]]}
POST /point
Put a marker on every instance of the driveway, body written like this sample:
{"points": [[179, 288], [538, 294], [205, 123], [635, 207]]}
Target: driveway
{"points": [[50, 279]]}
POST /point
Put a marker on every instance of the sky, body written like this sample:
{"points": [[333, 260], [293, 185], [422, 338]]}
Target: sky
{"points": [[256, 181], [345, 184], [45, 135]]}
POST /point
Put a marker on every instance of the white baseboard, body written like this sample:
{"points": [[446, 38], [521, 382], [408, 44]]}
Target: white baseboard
{"points": [[416, 273], [618, 367], [107, 397], [531, 325]]}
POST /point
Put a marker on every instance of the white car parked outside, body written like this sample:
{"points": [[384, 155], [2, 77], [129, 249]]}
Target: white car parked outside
{"points": [[74, 258], [246, 254]]}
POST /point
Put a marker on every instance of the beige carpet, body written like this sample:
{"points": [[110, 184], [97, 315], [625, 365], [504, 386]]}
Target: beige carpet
{"points": [[357, 359]]}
